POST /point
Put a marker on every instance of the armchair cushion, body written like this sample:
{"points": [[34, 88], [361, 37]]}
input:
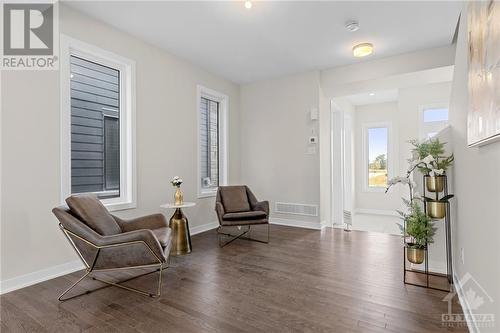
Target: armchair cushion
{"points": [[235, 199], [153, 221], [163, 235], [250, 215], [92, 212]]}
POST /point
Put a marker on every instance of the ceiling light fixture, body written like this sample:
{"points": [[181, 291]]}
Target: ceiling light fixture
{"points": [[352, 26], [248, 4], [372, 94], [362, 50]]}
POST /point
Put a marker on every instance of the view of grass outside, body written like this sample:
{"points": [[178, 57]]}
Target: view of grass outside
{"points": [[377, 153]]}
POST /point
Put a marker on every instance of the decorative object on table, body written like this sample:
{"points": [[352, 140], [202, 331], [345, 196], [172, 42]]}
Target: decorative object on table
{"points": [[430, 160], [237, 206], [418, 227], [178, 196], [483, 118], [181, 237], [107, 243]]}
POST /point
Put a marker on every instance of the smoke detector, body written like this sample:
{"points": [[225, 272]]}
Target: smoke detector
{"points": [[352, 26]]}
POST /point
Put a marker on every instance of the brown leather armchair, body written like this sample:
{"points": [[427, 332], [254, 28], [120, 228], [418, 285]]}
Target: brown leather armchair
{"points": [[237, 206], [105, 242]]}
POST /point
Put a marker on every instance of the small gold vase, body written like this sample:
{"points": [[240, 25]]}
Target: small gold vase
{"points": [[415, 256], [435, 183], [178, 197], [436, 209]]}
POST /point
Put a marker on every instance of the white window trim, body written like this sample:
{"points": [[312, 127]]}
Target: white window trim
{"points": [[390, 154], [128, 184], [223, 138], [439, 105]]}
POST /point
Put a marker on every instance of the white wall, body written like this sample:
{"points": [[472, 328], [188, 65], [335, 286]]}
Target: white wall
{"points": [[274, 126], [396, 71], [477, 202], [166, 144], [410, 101]]}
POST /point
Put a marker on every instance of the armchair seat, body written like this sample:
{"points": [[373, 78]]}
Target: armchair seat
{"points": [[237, 206], [105, 242], [256, 214], [164, 237]]}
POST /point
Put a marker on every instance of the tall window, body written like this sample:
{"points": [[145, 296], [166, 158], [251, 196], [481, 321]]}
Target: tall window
{"points": [[95, 130], [97, 124], [212, 157], [209, 143], [377, 155], [433, 119]]}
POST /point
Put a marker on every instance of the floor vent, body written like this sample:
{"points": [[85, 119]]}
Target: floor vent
{"points": [[296, 209], [347, 217]]}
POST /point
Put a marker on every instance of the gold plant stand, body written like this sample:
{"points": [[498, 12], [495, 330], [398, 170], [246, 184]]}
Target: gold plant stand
{"points": [[425, 278]]}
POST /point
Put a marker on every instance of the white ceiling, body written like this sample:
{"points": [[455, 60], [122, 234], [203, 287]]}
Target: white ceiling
{"points": [[277, 38], [375, 97]]}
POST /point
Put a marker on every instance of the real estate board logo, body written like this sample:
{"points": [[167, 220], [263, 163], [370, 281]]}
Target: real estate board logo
{"points": [[472, 297], [30, 36]]}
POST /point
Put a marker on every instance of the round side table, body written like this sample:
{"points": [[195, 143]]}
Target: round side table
{"points": [[181, 238]]}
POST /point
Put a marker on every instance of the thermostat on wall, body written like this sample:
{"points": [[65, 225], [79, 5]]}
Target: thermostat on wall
{"points": [[313, 139]]}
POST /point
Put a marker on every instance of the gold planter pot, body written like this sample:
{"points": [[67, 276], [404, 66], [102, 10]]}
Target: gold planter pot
{"points": [[436, 209], [435, 183], [415, 256]]}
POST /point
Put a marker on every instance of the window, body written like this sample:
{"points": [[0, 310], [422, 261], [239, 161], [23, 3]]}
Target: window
{"points": [[212, 109], [377, 152], [434, 118], [97, 112]]}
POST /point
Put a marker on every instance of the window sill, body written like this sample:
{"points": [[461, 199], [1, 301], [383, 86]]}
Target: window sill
{"points": [[207, 194], [116, 206], [374, 190]]}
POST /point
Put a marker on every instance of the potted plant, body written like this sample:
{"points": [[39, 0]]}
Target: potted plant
{"points": [[178, 196], [417, 228], [419, 231], [430, 160], [436, 208]]}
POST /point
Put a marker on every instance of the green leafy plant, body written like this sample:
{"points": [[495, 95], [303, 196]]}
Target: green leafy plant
{"points": [[429, 157], [418, 225]]}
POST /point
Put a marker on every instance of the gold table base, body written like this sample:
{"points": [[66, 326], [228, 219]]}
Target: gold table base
{"points": [[181, 238]]}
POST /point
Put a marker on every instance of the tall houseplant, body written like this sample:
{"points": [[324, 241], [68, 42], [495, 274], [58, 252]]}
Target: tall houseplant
{"points": [[429, 158], [417, 228]]}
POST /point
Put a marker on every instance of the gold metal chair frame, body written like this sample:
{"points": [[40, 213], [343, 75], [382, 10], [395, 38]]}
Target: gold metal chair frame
{"points": [[90, 268], [240, 236]]}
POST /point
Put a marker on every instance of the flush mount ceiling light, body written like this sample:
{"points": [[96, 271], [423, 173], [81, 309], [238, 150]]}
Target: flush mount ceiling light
{"points": [[372, 94], [248, 4], [352, 26], [362, 50]]}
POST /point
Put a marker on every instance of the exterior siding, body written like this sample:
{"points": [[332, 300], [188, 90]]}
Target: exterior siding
{"points": [[94, 95]]}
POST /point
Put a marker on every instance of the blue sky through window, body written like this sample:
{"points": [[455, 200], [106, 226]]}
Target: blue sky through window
{"points": [[435, 114], [377, 142]]}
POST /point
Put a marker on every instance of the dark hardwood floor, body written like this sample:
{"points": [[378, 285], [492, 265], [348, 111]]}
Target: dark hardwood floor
{"points": [[303, 281]]}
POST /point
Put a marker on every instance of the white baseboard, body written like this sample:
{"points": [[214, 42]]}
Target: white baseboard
{"points": [[40, 276], [297, 223], [67, 268], [202, 228], [384, 212], [465, 305]]}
